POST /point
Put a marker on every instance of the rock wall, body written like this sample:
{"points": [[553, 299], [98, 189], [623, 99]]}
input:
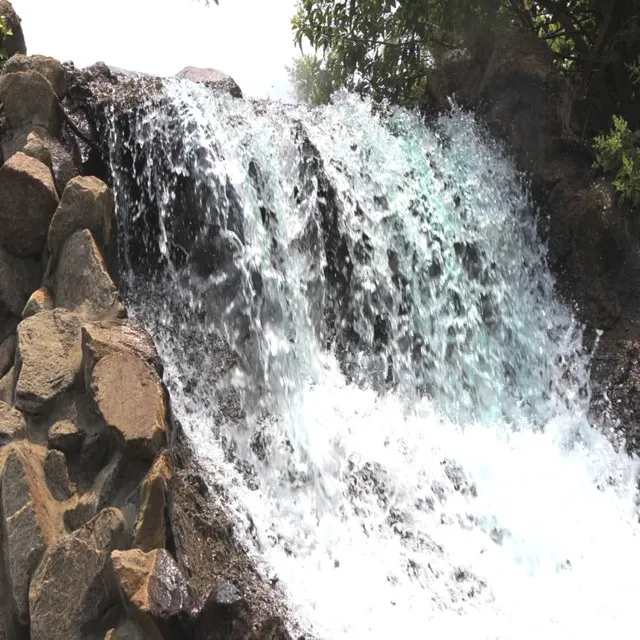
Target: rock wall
{"points": [[106, 527]]}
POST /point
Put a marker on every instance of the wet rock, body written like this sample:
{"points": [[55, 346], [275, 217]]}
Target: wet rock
{"points": [[87, 203], [225, 615], [211, 78], [39, 301], [150, 530], [57, 475], [50, 68], [37, 148], [29, 101], [30, 522], [6, 387], [73, 587], [151, 582], [48, 358], [7, 354], [28, 200], [12, 424], [270, 629], [129, 396], [66, 437], [14, 43], [18, 279], [103, 338], [82, 280]]}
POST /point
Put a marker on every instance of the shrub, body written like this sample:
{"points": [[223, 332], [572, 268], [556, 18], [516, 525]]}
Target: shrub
{"points": [[4, 32]]}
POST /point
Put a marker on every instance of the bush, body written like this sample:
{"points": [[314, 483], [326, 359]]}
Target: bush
{"points": [[618, 155], [4, 32]]}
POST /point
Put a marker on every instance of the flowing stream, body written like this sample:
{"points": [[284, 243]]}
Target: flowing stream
{"points": [[363, 344]]}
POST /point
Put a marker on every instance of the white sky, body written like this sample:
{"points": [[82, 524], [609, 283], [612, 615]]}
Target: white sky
{"points": [[250, 40]]}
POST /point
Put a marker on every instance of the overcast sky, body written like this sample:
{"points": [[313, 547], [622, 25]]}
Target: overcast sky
{"points": [[249, 39]]}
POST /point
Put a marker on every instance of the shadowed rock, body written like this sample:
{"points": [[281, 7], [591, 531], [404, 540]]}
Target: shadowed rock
{"points": [[7, 353], [57, 476], [15, 42], [66, 437], [39, 301], [28, 200], [12, 424], [18, 279]]}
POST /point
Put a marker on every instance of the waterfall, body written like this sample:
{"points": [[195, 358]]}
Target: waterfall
{"points": [[363, 344]]}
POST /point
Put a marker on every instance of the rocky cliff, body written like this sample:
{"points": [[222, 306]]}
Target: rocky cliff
{"points": [[107, 530]]}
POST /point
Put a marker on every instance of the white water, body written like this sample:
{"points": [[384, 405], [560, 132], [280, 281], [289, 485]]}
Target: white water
{"points": [[464, 494]]}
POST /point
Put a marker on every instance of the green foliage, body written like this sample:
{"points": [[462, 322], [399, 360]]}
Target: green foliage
{"points": [[312, 81], [4, 32], [618, 155]]}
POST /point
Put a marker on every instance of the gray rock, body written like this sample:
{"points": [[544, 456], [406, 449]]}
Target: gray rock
{"points": [[28, 200], [57, 475], [7, 353], [19, 277], [40, 300], [211, 78], [37, 148], [87, 203], [80, 511], [15, 42], [65, 436], [12, 424], [50, 68], [6, 387], [81, 279], [73, 586], [29, 101], [49, 357]]}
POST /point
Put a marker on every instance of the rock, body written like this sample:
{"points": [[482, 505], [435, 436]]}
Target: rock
{"points": [[29, 101], [57, 476], [48, 358], [30, 522], [140, 629], [28, 200], [18, 279], [12, 424], [270, 629], [66, 437], [150, 531], [151, 582], [72, 587], [80, 511], [7, 354], [39, 301], [103, 338], [225, 614], [37, 148], [6, 387], [81, 279], [130, 397], [15, 42], [50, 68], [87, 203], [211, 78]]}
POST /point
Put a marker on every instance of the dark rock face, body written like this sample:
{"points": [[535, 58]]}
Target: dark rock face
{"points": [[211, 78], [14, 43]]}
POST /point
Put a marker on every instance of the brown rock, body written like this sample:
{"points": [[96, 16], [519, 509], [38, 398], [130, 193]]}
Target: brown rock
{"points": [[72, 586], [30, 521], [12, 424], [82, 280], [150, 530], [151, 582], [130, 397], [140, 629], [29, 101], [211, 78], [40, 300], [80, 511], [49, 357], [103, 338], [7, 353], [50, 68], [37, 148], [15, 42], [66, 437], [18, 279], [28, 200], [270, 629], [57, 475], [6, 387], [87, 203]]}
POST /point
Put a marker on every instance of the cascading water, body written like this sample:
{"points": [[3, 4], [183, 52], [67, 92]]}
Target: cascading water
{"points": [[363, 344]]}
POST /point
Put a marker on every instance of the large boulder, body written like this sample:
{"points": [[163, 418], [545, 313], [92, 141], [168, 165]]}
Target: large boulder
{"points": [[48, 358], [28, 200], [15, 42], [12, 424], [130, 398], [50, 68], [29, 101], [72, 587], [30, 521], [18, 279], [82, 280], [87, 203], [150, 532], [212, 79]]}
